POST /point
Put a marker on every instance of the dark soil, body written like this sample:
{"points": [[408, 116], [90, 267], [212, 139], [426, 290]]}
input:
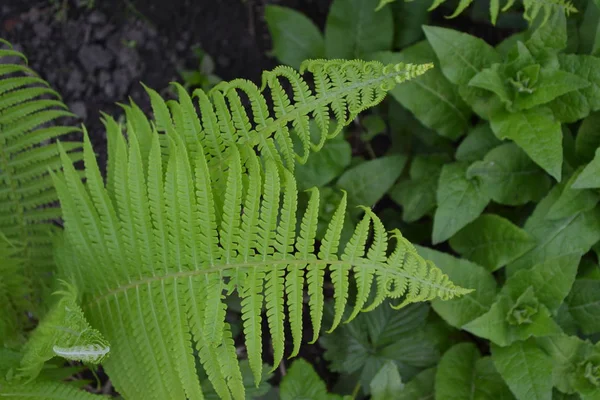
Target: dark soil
{"points": [[95, 53]]}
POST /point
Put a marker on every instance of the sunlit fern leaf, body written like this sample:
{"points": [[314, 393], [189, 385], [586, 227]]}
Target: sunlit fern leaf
{"points": [[157, 263], [63, 332], [531, 8], [28, 201]]}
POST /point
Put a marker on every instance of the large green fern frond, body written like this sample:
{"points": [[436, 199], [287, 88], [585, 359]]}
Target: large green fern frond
{"points": [[170, 234], [28, 201]]}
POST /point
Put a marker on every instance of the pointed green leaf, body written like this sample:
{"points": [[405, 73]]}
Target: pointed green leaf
{"points": [[588, 138], [463, 374], [387, 383], [535, 131], [492, 241], [550, 85], [509, 176], [458, 312], [461, 55], [574, 234], [302, 382], [510, 320], [420, 387], [573, 200], [551, 280], [584, 304], [479, 141], [526, 369], [492, 79], [450, 117], [460, 200], [358, 182], [417, 194], [295, 37], [589, 178], [578, 104], [354, 28]]}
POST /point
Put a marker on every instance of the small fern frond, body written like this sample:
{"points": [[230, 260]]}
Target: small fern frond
{"points": [[63, 332], [160, 245], [27, 196]]}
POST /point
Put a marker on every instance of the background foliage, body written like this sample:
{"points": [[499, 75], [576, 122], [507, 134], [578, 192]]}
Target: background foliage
{"points": [[490, 162]]}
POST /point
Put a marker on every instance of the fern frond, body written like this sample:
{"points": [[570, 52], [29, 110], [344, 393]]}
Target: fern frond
{"points": [[342, 90], [531, 8], [42, 389], [204, 242], [27, 196]]}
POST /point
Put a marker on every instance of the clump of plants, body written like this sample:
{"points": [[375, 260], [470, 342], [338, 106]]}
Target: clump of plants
{"points": [[440, 241]]}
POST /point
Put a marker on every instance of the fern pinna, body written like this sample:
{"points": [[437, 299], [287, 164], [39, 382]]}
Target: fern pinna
{"points": [[208, 209], [28, 201]]}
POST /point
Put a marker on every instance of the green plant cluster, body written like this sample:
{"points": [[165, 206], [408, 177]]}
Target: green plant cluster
{"points": [[491, 163], [440, 242]]}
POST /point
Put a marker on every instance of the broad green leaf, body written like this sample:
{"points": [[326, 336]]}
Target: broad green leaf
{"points": [[461, 56], [417, 194], [537, 133], [566, 352], [491, 241], [460, 200], [510, 320], [526, 369], [588, 138], [589, 178], [550, 85], [578, 104], [295, 37], [354, 28], [479, 141], [387, 383], [365, 344], [551, 280], [574, 234], [573, 200], [420, 387], [509, 176], [549, 36], [360, 184], [463, 374], [584, 304], [493, 80], [325, 165], [409, 16], [302, 382], [432, 98], [458, 312]]}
